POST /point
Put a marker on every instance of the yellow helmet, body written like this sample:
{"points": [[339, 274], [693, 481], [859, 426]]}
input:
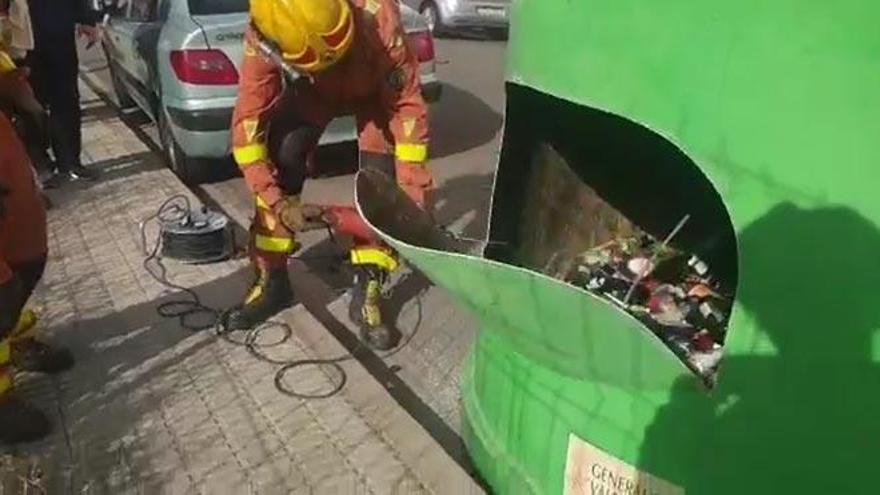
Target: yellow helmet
{"points": [[310, 34]]}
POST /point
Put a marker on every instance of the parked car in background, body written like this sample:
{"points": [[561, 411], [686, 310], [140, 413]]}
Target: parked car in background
{"points": [[178, 60], [443, 16]]}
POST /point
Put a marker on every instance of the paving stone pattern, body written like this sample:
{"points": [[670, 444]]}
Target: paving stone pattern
{"points": [[154, 408]]}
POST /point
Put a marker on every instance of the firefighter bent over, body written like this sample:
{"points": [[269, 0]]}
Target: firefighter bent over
{"points": [[23, 250], [307, 62]]}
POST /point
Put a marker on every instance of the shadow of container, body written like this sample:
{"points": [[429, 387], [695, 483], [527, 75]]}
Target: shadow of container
{"points": [[772, 153]]}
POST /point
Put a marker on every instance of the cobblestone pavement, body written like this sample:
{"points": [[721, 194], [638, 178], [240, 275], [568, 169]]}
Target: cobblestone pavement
{"points": [[154, 408], [466, 132]]}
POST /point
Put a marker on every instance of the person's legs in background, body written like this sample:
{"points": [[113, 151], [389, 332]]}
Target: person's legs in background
{"points": [[54, 78]]}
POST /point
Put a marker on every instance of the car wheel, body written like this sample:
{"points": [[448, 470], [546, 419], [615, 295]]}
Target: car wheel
{"points": [[433, 18], [122, 97], [191, 170]]}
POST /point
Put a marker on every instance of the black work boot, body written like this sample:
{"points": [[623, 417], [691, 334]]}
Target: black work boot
{"points": [[365, 308], [21, 421], [32, 355], [269, 294]]}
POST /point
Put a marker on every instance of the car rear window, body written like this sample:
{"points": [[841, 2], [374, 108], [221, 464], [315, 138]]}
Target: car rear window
{"points": [[209, 7]]}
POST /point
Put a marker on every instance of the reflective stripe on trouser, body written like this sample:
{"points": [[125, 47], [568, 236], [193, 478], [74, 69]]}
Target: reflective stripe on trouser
{"points": [[27, 322], [381, 257], [271, 243], [5, 366]]}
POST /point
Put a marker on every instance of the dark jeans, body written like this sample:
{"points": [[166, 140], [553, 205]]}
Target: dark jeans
{"points": [[54, 73]]}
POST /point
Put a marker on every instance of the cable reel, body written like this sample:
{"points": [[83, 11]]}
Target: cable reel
{"points": [[193, 235]]}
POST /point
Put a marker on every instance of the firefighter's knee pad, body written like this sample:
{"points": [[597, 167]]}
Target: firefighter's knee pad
{"points": [[291, 143]]}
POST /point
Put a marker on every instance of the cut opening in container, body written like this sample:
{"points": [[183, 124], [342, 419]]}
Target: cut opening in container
{"points": [[610, 206]]}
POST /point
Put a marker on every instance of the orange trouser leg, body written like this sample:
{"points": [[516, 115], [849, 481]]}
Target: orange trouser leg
{"points": [[271, 243], [368, 248], [416, 181]]}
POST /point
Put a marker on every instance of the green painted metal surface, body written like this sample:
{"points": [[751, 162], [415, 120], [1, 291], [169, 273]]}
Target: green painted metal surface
{"points": [[777, 104]]}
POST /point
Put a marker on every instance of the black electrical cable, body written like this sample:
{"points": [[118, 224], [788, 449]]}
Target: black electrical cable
{"points": [[172, 211], [177, 208]]}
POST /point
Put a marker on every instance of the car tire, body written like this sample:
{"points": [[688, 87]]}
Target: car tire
{"points": [[122, 97], [192, 171], [433, 17]]}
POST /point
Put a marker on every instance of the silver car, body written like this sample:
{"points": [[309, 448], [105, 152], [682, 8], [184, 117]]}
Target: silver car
{"points": [[178, 60], [444, 16]]}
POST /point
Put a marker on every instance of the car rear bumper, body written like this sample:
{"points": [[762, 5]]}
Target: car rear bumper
{"points": [[478, 15], [203, 132], [201, 120]]}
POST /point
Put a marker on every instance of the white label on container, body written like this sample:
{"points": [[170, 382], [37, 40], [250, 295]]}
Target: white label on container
{"points": [[591, 471]]}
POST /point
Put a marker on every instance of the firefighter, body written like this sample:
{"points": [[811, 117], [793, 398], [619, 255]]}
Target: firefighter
{"points": [[306, 62], [22, 260]]}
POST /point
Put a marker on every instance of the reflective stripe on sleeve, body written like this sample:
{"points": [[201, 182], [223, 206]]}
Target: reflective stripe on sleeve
{"points": [[416, 153], [251, 153]]}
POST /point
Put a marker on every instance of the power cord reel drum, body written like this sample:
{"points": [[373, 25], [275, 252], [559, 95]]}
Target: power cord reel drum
{"points": [[196, 236]]}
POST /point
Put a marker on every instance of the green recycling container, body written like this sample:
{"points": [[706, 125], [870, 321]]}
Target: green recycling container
{"points": [[761, 121]]}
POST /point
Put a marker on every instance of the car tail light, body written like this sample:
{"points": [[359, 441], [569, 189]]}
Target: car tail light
{"points": [[203, 66], [423, 45]]}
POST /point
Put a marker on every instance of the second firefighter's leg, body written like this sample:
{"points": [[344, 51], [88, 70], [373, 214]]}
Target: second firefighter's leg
{"points": [[372, 260], [372, 266], [21, 422], [29, 353]]}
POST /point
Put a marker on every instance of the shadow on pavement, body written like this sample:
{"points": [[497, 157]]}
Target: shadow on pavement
{"points": [[785, 422], [461, 121], [463, 204], [110, 170], [318, 305], [128, 366]]}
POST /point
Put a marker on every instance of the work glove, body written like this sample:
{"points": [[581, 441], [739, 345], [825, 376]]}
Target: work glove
{"points": [[296, 216]]}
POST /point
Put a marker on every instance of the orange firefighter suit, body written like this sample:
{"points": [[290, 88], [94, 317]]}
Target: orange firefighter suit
{"points": [[377, 81], [23, 247], [22, 238]]}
